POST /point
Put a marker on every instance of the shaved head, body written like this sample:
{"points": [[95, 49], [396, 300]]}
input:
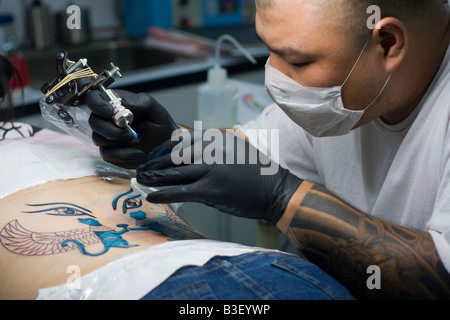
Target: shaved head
{"points": [[350, 16]]}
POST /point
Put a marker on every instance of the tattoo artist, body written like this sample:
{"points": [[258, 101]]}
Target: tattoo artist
{"points": [[363, 117]]}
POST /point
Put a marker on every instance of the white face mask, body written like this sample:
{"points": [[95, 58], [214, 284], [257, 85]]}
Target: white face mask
{"points": [[320, 111]]}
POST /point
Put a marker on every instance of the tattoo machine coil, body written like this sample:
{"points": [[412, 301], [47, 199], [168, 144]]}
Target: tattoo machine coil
{"points": [[74, 81]]}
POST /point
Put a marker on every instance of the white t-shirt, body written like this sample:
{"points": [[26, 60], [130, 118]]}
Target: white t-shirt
{"points": [[397, 173]]}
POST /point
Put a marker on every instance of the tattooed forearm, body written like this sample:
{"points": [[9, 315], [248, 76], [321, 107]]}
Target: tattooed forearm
{"points": [[345, 242]]}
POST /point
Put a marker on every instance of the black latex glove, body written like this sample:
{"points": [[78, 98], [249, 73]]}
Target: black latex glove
{"points": [[152, 122], [238, 189]]}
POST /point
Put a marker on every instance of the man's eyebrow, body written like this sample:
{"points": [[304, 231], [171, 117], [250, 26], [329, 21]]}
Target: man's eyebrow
{"points": [[284, 52]]}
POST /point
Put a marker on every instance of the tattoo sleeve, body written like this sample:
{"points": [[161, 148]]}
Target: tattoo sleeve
{"points": [[345, 242]]}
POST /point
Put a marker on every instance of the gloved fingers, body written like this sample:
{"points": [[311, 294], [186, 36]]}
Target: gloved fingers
{"points": [[160, 163], [142, 102], [107, 129], [179, 194], [137, 103], [165, 148], [128, 158], [123, 94], [98, 105], [171, 176], [186, 146], [169, 154], [100, 141]]}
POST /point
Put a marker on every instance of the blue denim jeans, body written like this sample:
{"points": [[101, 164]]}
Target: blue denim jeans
{"points": [[254, 276]]}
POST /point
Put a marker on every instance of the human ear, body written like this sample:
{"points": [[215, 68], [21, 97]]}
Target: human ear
{"points": [[392, 38]]}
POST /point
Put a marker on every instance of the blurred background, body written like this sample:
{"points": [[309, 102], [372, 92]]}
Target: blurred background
{"points": [[163, 47], [111, 18]]}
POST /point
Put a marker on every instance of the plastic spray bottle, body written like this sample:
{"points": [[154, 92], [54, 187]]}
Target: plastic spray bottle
{"points": [[217, 98]]}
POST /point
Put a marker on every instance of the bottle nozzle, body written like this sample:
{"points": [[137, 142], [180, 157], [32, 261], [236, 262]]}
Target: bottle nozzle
{"points": [[217, 76]]}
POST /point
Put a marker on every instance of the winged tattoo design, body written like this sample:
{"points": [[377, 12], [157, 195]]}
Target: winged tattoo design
{"points": [[17, 239]]}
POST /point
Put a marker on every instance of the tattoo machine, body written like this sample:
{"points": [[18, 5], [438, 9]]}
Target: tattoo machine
{"points": [[75, 79]]}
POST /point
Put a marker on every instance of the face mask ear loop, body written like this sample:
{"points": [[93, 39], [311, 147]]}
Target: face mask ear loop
{"points": [[356, 63], [381, 92]]}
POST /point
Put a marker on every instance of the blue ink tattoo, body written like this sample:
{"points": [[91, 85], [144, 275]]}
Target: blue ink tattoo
{"points": [[17, 239], [163, 225], [132, 202], [109, 238]]}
